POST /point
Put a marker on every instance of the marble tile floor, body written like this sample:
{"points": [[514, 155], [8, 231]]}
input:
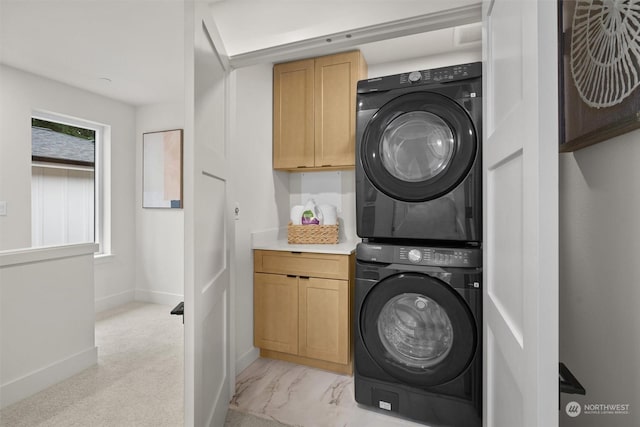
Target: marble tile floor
{"points": [[300, 396]]}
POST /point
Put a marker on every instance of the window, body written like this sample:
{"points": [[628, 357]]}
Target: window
{"points": [[66, 196]]}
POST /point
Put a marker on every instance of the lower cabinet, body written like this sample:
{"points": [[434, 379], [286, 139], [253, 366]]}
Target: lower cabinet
{"points": [[302, 318], [275, 312]]}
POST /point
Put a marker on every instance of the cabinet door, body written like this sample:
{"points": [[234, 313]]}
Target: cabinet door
{"points": [[275, 313], [336, 79], [293, 115], [324, 319]]}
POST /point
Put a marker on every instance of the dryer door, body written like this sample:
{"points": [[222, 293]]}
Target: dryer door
{"points": [[418, 146], [418, 329]]}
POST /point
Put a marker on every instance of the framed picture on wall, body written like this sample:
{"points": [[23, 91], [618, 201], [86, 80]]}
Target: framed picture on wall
{"points": [[599, 71], [162, 169]]}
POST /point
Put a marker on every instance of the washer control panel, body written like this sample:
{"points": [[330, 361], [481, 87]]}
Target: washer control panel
{"points": [[420, 255], [446, 257]]}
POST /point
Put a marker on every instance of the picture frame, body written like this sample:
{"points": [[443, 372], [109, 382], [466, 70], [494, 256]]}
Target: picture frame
{"points": [[599, 94], [162, 169]]}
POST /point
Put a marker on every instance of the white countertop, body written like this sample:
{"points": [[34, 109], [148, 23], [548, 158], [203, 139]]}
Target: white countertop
{"points": [[274, 240], [342, 248]]}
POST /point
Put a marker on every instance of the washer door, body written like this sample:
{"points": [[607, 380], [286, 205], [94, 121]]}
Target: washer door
{"points": [[418, 146], [418, 329]]}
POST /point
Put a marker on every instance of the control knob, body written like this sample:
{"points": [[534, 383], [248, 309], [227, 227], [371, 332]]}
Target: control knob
{"points": [[415, 256], [415, 76]]}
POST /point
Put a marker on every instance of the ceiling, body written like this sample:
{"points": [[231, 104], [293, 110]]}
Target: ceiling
{"points": [[132, 50]]}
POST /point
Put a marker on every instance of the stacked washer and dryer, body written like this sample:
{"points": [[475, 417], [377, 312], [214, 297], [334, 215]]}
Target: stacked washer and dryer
{"points": [[418, 296]]}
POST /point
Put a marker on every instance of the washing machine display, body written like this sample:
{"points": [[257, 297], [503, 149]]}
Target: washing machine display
{"points": [[418, 332], [418, 155]]}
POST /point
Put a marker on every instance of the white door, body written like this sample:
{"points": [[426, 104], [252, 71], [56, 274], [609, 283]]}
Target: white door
{"points": [[208, 363], [521, 213]]}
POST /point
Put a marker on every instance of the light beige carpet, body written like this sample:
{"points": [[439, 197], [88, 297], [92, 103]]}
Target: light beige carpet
{"points": [[138, 380]]}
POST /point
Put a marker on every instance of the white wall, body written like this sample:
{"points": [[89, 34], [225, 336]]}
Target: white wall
{"points": [[332, 187], [159, 232], [599, 270], [262, 193], [46, 318], [21, 94]]}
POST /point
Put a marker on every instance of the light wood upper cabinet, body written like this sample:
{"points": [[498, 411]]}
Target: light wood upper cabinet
{"points": [[293, 117], [314, 112]]}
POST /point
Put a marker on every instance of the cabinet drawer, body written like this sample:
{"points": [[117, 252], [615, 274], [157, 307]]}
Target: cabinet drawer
{"points": [[328, 266]]}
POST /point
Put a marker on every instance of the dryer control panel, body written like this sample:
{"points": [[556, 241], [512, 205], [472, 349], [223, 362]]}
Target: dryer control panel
{"points": [[436, 75], [420, 255], [422, 77]]}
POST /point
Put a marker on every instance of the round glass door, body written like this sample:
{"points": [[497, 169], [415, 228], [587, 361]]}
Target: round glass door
{"points": [[418, 329], [418, 146], [415, 330]]}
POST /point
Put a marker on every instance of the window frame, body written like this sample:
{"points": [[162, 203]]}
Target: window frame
{"points": [[102, 187]]}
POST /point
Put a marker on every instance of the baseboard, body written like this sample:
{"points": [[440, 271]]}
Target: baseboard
{"points": [[346, 369], [113, 301], [36, 381], [247, 359], [157, 297]]}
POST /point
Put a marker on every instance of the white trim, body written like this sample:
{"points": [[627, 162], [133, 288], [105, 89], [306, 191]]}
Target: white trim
{"points": [[112, 301], [157, 297], [247, 359], [30, 255], [36, 381], [350, 39], [99, 258], [213, 35], [65, 166]]}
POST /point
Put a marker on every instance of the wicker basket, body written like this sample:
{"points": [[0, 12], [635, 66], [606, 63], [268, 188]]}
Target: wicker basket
{"points": [[312, 234]]}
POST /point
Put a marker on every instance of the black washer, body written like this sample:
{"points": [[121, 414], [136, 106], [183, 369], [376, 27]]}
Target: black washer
{"points": [[464, 342], [418, 332]]}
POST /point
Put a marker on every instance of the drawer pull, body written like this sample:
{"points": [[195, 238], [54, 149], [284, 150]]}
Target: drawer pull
{"points": [[296, 253], [304, 277], [291, 275]]}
